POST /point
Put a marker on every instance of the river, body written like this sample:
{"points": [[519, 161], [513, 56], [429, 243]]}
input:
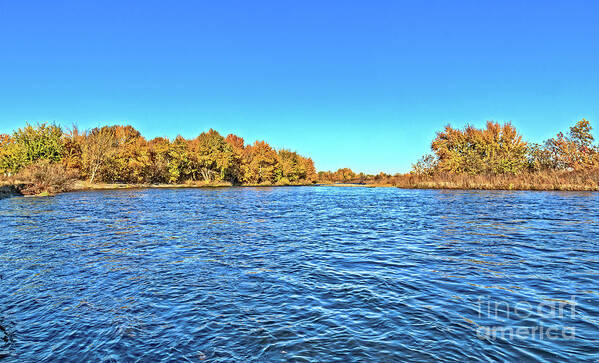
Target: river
{"points": [[305, 274]]}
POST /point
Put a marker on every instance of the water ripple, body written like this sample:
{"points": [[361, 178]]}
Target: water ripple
{"points": [[305, 274]]}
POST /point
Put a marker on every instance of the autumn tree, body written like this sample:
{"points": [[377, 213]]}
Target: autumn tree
{"points": [[309, 169], [581, 136], [180, 163], [344, 175], [121, 154], [131, 160], [260, 164], [291, 167], [574, 151], [325, 176], [426, 165], [238, 146], [159, 170], [98, 147], [215, 157], [498, 149], [5, 154]]}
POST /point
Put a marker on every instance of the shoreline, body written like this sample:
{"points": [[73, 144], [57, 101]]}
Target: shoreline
{"points": [[84, 186], [458, 187], [15, 190], [11, 190]]}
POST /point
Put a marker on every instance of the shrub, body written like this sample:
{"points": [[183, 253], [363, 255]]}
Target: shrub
{"points": [[44, 176], [283, 181], [29, 144]]}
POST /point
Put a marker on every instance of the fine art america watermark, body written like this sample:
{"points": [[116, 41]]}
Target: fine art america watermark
{"points": [[530, 316]]}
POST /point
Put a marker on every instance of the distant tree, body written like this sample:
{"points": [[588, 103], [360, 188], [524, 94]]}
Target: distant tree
{"points": [[214, 156], [235, 141], [29, 144], [180, 164], [325, 177], [574, 151], [344, 175], [380, 177], [580, 135], [131, 161], [498, 149], [291, 166], [73, 150], [260, 164], [582, 138], [97, 148], [238, 146], [540, 157], [121, 154], [427, 165], [6, 154], [159, 169], [308, 167]]}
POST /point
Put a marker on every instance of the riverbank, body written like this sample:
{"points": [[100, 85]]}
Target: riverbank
{"points": [[83, 185], [356, 185], [20, 189], [9, 191], [550, 180], [575, 180], [462, 182], [587, 180]]}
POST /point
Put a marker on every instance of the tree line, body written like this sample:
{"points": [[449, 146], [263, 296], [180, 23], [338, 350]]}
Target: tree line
{"points": [[500, 149], [497, 155], [120, 154]]}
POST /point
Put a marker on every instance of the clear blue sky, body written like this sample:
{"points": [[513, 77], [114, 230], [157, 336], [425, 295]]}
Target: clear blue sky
{"points": [[362, 84]]}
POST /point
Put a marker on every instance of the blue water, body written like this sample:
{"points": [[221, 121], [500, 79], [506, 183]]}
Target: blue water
{"points": [[305, 274]]}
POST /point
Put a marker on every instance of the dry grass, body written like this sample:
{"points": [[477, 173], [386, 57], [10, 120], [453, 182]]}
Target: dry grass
{"points": [[544, 180], [86, 185], [43, 178]]}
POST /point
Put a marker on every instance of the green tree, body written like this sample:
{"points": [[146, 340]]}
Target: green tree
{"points": [[32, 143], [6, 154], [215, 156]]}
